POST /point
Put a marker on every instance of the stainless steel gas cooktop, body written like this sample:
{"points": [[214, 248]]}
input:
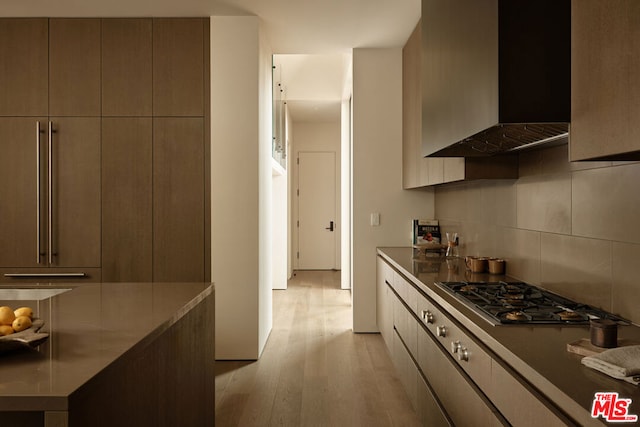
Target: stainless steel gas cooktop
{"points": [[509, 303]]}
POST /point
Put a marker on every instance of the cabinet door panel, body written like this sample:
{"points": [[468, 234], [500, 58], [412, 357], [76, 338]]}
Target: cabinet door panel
{"points": [[24, 85], [126, 67], [178, 67], [127, 199], [76, 192], [74, 67], [18, 200], [605, 93], [412, 111], [178, 199]]}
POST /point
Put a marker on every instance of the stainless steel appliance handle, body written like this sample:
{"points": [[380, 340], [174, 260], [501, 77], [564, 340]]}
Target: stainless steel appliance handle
{"points": [[45, 275], [38, 195], [50, 184]]}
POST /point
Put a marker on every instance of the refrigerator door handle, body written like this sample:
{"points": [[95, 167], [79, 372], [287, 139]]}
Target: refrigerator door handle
{"points": [[50, 191], [38, 193], [38, 189]]}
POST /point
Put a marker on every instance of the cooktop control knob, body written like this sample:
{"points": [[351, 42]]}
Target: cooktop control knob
{"points": [[455, 346], [427, 316], [463, 354], [441, 331]]}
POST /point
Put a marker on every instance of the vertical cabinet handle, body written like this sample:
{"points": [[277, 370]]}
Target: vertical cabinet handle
{"points": [[50, 191], [38, 192]]}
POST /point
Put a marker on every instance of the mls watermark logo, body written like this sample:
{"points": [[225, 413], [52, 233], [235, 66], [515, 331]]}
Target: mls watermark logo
{"points": [[612, 408]]}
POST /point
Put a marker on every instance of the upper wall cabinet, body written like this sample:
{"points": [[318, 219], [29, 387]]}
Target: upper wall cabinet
{"points": [[24, 85], [74, 67], [414, 166], [178, 67], [127, 67], [605, 80]]}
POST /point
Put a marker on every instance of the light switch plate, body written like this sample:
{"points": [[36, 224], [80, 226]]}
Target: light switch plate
{"points": [[375, 219]]}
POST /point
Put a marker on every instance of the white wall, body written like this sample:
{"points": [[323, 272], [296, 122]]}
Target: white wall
{"points": [[316, 136], [345, 191], [377, 174], [266, 256], [240, 193], [280, 227], [288, 139]]}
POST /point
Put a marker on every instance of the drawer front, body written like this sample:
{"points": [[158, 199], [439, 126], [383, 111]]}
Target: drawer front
{"points": [[464, 404], [519, 404], [407, 371], [387, 273], [400, 285], [384, 304], [466, 352], [429, 410], [413, 296]]}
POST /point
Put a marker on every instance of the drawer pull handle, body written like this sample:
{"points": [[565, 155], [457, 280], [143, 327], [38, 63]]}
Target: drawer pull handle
{"points": [[19, 275], [441, 331], [455, 346]]}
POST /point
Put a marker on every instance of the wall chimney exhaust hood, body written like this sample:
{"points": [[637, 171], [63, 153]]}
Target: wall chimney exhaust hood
{"points": [[496, 75]]}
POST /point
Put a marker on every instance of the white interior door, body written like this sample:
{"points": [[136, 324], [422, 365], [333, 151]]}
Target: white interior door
{"points": [[316, 210]]}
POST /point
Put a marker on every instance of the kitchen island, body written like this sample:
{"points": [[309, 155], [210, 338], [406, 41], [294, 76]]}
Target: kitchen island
{"points": [[118, 354], [521, 361]]}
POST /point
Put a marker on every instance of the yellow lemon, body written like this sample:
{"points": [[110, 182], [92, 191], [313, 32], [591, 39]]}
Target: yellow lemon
{"points": [[23, 311], [21, 323], [5, 330], [6, 315]]}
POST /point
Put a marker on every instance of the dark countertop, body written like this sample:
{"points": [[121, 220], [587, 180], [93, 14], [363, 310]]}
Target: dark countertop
{"points": [[539, 353], [90, 326]]}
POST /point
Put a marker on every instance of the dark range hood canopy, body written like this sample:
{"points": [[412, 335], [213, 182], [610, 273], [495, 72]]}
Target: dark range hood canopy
{"points": [[534, 77]]}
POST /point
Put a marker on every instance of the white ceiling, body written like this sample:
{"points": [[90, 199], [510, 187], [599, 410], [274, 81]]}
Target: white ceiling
{"points": [[292, 26], [329, 28], [313, 84]]}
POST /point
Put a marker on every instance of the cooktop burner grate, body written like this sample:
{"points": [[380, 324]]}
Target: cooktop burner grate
{"points": [[521, 303]]}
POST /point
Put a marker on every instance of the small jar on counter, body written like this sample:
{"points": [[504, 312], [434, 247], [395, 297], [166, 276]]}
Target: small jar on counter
{"points": [[604, 333]]}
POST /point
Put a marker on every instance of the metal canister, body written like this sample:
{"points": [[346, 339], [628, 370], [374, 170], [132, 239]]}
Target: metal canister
{"points": [[604, 333]]}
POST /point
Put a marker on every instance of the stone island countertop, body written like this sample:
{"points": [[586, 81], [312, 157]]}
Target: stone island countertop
{"points": [[95, 329]]}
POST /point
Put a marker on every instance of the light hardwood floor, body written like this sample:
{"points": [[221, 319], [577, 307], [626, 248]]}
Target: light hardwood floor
{"points": [[314, 370]]}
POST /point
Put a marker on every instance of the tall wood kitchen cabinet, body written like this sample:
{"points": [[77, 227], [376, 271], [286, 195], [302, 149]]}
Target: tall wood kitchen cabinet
{"points": [[129, 149], [50, 168], [155, 110]]}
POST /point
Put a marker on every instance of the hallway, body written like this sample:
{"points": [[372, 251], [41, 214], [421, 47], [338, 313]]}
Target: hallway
{"points": [[314, 371]]}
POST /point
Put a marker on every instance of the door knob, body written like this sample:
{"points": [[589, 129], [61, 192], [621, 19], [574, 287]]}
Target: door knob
{"points": [[330, 227]]}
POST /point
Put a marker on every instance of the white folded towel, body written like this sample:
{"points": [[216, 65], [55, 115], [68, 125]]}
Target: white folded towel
{"points": [[622, 363]]}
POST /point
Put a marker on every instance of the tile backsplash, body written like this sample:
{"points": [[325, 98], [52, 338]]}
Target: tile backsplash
{"points": [[572, 228]]}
